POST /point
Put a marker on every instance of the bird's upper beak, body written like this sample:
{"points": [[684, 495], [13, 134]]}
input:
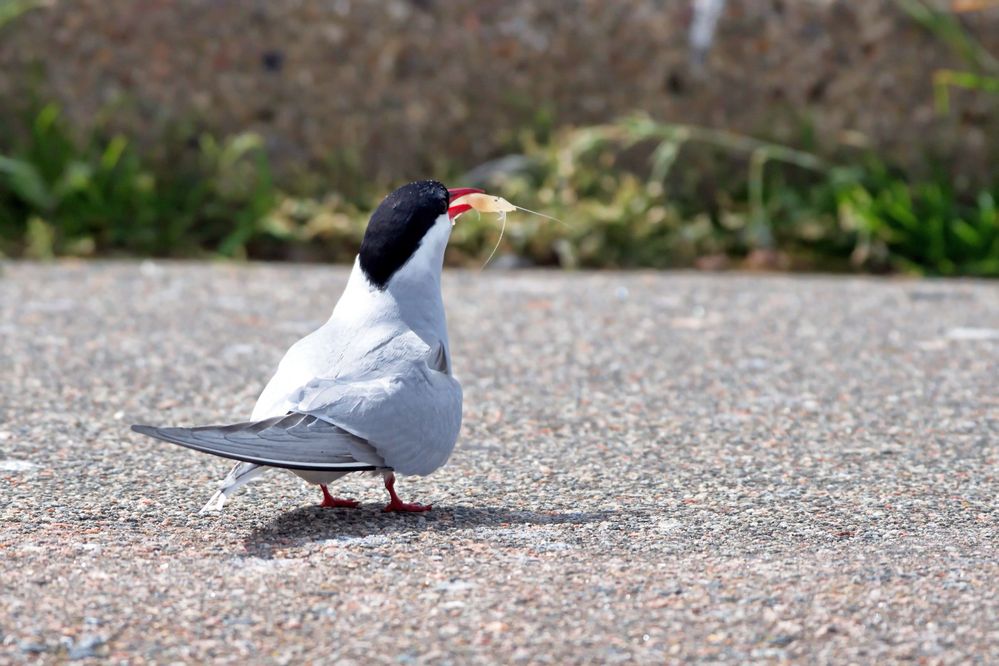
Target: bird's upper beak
{"points": [[456, 207]]}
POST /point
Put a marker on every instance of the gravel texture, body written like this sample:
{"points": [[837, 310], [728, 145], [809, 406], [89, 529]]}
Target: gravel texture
{"points": [[654, 467]]}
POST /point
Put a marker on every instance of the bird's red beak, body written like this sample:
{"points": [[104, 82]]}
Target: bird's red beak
{"points": [[456, 208]]}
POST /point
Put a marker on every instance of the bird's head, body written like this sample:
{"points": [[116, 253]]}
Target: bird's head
{"points": [[410, 228]]}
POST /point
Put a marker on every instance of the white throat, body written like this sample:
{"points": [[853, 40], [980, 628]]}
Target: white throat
{"points": [[412, 297]]}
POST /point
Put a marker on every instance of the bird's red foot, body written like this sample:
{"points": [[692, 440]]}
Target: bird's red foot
{"points": [[330, 501], [404, 507], [396, 504]]}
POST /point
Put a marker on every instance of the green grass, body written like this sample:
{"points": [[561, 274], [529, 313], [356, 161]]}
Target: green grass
{"points": [[629, 212], [632, 194], [58, 197]]}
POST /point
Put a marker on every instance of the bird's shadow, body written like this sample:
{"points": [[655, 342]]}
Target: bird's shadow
{"points": [[313, 523]]}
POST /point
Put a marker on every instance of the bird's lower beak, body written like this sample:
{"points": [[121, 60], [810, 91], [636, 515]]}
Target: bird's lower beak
{"points": [[456, 207]]}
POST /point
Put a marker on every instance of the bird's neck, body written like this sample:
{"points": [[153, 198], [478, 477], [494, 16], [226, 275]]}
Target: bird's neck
{"points": [[411, 300]]}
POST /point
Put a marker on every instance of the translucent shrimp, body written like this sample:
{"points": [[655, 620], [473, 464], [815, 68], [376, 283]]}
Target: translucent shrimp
{"points": [[487, 203]]}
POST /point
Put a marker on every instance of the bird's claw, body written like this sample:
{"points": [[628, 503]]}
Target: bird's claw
{"points": [[330, 501], [405, 507], [341, 503]]}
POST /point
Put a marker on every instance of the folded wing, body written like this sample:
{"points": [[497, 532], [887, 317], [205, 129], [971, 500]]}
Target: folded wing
{"points": [[293, 441], [405, 418], [411, 417]]}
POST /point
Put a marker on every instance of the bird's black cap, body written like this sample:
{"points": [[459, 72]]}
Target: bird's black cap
{"points": [[397, 228]]}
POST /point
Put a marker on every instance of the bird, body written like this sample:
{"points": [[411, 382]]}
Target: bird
{"points": [[372, 389]]}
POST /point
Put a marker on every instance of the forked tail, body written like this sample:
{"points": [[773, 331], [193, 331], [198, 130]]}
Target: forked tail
{"points": [[239, 476]]}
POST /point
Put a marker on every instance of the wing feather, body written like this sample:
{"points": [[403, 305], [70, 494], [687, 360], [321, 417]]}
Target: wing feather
{"points": [[294, 441], [406, 417], [411, 417]]}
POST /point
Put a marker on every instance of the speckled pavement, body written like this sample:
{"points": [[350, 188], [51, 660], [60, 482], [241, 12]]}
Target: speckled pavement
{"points": [[653, 468]]}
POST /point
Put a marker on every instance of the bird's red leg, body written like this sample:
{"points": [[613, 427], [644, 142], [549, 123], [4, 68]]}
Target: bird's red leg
{"points": [[396, 504], [329, 500]]}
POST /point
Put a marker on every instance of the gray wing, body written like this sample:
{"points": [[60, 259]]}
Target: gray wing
{"points": [[293, 441], [411, 416]]}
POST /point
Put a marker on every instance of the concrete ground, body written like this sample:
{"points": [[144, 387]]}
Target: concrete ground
{"points": [[653, 468]]}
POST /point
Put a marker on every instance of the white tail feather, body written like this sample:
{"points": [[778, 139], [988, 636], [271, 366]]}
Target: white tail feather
{"points": [[239, 476]]}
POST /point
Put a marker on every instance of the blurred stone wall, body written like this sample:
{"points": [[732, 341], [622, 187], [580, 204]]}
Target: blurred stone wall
{"points": [[409, 85]]}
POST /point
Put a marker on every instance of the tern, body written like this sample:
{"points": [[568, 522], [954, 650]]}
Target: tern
{"points": [[372, 389]]}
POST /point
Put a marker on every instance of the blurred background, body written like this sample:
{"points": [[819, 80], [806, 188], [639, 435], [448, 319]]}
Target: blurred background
{"points": [[831, 135]]}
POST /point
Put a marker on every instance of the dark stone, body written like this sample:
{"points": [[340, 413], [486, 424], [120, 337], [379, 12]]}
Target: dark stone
{"points": [[272, 61]]}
